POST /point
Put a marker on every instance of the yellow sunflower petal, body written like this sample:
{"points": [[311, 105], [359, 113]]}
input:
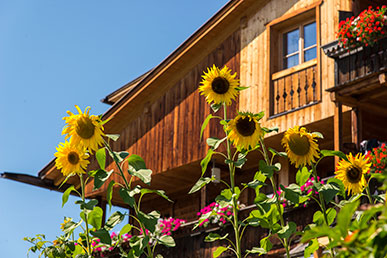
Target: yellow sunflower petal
{"points": [[71, 159], [300, 146], [219, 86], [84, 129], [244, 131], [352, 172]]}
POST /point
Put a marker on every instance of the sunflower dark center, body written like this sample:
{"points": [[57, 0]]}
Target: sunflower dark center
{"points": [[298, 144], [354, 174], [85, 128], [73, 157], [220, 85], [245, 126]]}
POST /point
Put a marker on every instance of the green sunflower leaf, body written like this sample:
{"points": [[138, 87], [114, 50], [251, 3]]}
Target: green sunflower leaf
{"points": [[136, 162], [158, 192], [329, 190], [292, 193], [345, 216], [266, 244], [100, 177], [214, 236], [266, 170], [125, 229], [144, 174], [200, 183], [101, 157], [218, 251], [257, 250], [116, 218], [149, 220], [65, 196], [95, 217], [318, 135], [240, 88], [270, 130], [313, 246], [113, 137], [206, 160], [216, 107], [214, 143], [167, 241], [118, 156], [302, 176], [127, 197], [204, 125], [275, 152], [109, 194], [330, 153], [288, 230], [102, 234]]}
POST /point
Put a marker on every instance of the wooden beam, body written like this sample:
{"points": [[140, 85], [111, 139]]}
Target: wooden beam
{"points": [[352, 102], [203, 197], [355, 127], [338, 128]]}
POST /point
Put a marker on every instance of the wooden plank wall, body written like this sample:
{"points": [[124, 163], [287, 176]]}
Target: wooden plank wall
{"points": [[254, 60], [166, 134]]}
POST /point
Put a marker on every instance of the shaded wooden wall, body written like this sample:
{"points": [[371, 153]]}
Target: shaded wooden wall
{"points": [[166, 134]]}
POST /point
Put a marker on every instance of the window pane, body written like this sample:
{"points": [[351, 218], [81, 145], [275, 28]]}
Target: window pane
{"points": [[291, 42], [290, 61], [309, 35], [310, 54]]}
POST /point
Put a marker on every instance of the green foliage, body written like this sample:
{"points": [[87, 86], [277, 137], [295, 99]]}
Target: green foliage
{"points": [[206, 160], [100, 155], [200, 183], [214, 237], [100, 177], [65, 196], [302, 175], [218, 251]]}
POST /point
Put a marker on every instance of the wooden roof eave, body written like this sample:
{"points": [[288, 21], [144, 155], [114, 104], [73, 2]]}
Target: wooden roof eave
{"points": [[36, 181], [168, 72]]}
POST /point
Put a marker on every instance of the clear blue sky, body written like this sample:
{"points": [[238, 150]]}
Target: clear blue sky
{"points": [[58, 53]]}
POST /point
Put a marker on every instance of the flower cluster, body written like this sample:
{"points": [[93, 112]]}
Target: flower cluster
{"points": [[365, 29], [378, 159], [116, 240], [307, 189], [220, 214], [167, 226]]}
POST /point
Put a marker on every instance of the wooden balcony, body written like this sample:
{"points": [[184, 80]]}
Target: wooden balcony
{"points": [[294, 88], [357, 66], [360, 83]]}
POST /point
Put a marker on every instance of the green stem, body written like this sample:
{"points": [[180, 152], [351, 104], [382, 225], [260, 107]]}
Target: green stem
{"points": [[323, 207], [127, 186], [234, 200], [369, 193], [268, 162], [86, 219]]}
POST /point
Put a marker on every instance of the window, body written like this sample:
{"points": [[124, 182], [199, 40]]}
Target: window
{"points": [[299, 45]]}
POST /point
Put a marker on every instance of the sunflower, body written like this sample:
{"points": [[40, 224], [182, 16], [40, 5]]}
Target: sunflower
{"points": [[244, 130], [351, 172], [65, 221], [219, 85], [70, 159], [300, 146], [84, 129]]}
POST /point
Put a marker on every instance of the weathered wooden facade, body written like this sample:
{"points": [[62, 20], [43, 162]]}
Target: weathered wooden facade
{"points": [[159, 115]]}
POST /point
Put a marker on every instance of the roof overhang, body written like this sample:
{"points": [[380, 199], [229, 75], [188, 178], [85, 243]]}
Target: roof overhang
{"points": [[156, 82]]}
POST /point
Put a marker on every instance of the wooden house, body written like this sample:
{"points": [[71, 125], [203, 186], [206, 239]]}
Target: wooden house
{"points": [[286, 52]]}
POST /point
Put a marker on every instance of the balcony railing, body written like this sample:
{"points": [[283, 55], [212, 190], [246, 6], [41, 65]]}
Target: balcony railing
{"points": [[358, 64], [294, 88]]}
